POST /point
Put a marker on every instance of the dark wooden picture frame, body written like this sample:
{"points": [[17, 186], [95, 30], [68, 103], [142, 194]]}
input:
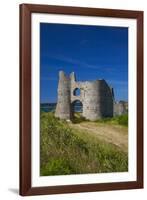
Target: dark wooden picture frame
{"points": [[25, 99]]}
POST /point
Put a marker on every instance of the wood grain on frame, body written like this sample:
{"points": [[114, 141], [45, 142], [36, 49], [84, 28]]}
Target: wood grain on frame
{"points": [[25, 98]]}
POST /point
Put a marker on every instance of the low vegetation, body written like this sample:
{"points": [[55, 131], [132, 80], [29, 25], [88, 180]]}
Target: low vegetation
{"points": [[64, 150], [78, 118], [120, 120]]}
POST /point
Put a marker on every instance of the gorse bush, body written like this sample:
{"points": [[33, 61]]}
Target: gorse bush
{"points": [[64, 151]]}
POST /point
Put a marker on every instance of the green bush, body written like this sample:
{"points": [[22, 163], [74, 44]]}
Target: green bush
{"points": [[121, 120], [56, 167]]}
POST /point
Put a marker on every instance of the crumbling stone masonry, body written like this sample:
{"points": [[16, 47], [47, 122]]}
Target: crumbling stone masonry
{"points": [[120, 108], [96, 97]]}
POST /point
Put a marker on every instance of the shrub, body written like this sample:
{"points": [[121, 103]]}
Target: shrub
{"points": [[121, 120], [56, 166]]}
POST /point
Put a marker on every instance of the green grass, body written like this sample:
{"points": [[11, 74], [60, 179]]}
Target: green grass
{"points": [[64, 150], [120, 120]]}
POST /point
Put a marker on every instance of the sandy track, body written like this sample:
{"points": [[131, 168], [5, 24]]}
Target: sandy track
{"points": [[114, 134]]}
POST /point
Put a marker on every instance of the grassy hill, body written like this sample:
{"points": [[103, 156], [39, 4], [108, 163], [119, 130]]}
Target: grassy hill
{"points": [[66, 148]]}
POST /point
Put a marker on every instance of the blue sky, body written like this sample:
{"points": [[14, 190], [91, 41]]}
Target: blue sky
{"points": [[92, 52]]}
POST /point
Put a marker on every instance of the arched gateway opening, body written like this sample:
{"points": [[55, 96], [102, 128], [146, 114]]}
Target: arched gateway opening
{"points": [[76, 110]]}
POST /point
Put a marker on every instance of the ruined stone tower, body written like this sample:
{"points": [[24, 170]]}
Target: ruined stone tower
{"points": [[96, 97]]}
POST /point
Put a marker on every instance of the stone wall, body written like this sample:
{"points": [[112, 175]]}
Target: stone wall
{"points": [[63, 110], [96, 96], [120, 108]]}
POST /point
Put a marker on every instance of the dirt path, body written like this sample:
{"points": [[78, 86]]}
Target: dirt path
{"points": [[114, 134]]}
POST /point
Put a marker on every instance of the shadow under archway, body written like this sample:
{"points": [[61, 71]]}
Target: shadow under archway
{"points": [[77, 111]]}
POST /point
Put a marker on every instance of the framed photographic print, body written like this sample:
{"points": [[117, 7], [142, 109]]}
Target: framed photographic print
{"points": [[81, 99]]}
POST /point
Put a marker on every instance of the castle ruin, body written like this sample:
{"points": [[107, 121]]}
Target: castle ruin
{"points": [[97, 98], [120, 108]]}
